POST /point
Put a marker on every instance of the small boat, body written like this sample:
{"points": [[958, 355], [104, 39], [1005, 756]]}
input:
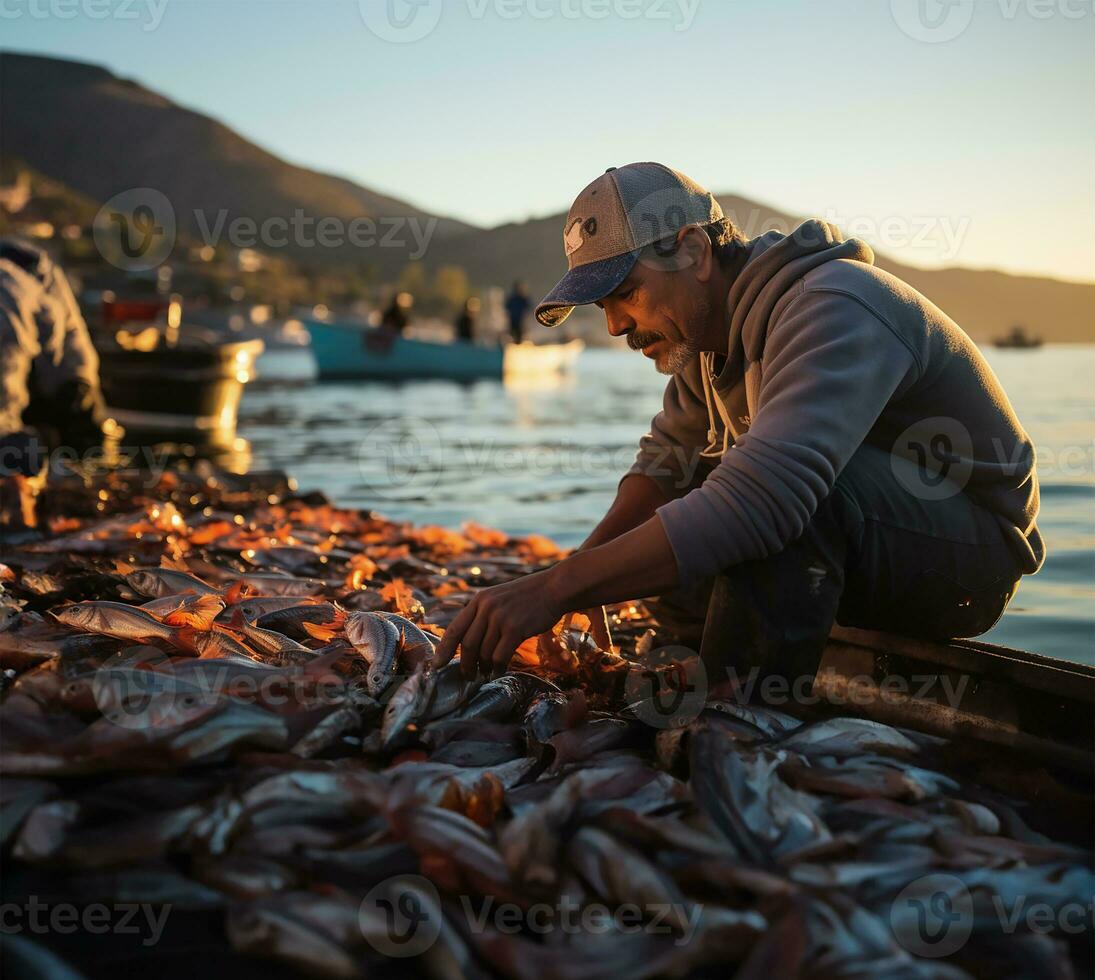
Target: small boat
{"points": [[345, 351], [170, 382], [1018, 338]]}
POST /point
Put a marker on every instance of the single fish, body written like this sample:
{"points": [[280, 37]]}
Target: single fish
{"points": [[272, 644], [253, 609], [289, 619], [505, 696], [416, 646], [423, 697], [282, 585], [553, 712], [377, 640], [159, 582], [404, 705], [114, 619]]}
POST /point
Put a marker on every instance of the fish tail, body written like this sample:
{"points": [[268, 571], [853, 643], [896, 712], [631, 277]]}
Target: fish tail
{"points": [[320, 631], [236, 592]]}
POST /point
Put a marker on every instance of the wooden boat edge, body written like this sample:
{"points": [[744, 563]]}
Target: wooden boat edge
{"points": [[1038, 707]]}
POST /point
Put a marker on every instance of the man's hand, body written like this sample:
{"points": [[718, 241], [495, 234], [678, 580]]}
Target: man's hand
{"points": [[497, 621], [489, 629]]}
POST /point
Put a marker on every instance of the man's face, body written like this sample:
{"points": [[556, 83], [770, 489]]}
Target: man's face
{"points": [[662, 312]]}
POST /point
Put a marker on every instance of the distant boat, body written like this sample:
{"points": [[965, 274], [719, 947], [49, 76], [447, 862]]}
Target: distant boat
{"points": [[349, 351], [1017, 337], [168, 381]]}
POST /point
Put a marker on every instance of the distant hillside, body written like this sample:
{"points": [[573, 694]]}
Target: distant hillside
{"points": [[97, 135], [100, 135]]}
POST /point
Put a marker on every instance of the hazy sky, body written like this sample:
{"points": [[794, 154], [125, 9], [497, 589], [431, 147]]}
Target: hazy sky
{"points": [[942, 131]]}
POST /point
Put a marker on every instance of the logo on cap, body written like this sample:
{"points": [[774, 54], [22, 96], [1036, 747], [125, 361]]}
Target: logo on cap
{"points": [[574, 238]]}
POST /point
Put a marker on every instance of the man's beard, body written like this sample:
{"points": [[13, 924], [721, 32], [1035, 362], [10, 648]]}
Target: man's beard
{"points": [[676, 358], [671, 361]]}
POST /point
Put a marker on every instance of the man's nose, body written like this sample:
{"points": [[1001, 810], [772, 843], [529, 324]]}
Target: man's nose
{"points": [[619, 324]]}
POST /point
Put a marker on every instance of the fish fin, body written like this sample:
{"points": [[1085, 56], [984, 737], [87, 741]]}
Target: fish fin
{"points": [[123, 567], [236, 592], [319, 631], [200, 614], [174, 564]]}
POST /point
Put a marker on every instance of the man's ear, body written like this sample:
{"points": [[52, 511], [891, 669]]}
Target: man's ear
{"points": [[695, 252]]}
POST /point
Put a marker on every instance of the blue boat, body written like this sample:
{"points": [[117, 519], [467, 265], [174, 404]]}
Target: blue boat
{"points": [[350, 351]]}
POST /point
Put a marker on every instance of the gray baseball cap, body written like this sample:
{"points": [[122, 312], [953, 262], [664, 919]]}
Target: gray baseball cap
{"points": [[612, 221]]}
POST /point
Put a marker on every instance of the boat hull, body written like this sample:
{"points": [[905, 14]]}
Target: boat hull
{"points": [[178, 394], [351, 352]]}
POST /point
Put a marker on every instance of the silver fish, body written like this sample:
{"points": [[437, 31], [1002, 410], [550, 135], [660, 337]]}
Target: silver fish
{"points": [[114, 619], [156, 583]]}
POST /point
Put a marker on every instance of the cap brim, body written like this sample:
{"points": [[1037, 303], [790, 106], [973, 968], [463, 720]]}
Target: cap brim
{"points": [[584, 284]]}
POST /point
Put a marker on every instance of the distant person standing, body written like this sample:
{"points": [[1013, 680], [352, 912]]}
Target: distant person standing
{"points": [[397, 316], [517, 307], [465, 323]]}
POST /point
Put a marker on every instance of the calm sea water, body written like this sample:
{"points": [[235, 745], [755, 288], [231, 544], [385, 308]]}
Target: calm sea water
{"points": [[547, 458]]}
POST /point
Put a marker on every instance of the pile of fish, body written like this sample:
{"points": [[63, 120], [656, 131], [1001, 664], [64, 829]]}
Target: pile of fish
{"points": [[218, 695]]}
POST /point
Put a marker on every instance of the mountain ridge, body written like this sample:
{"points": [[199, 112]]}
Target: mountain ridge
{"points": [[100, 134]]}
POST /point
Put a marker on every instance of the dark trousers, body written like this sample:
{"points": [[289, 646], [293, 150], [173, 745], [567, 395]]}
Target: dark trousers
{"points": [[876, 555]]}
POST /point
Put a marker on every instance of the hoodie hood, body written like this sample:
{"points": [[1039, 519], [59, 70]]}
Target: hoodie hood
{"points": [[776, 261]]}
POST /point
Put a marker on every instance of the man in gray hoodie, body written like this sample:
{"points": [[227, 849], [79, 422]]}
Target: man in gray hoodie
{"points": [[831, 447]]}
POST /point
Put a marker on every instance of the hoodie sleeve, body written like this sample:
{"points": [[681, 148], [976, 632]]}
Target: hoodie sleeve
{"points": [[670, 452], [830, 366]]}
